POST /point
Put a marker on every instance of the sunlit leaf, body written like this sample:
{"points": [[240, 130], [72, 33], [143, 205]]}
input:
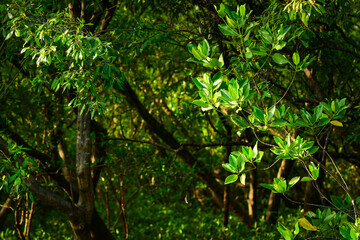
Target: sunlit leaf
{"points": [[280, 59], [304, 223], [231, 178], [336, 123]]}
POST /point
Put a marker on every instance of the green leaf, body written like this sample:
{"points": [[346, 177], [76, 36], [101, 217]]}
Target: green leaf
{"points": [[226, 30], [271, 113], [280, 59], [242, 10], [304, 223], [306, 179], [285, 232], [333, 107], [301, 123], [280, 45], [201, 103], [231, 178], [259, 156], [232, 23], [293, 181], [197, 54], [345, 231], [233, 160], [268, 186], [25, 163], [336, 123], [17, 33], [280, 185], [240, 121], [305, 18], [314, 170], [296, 231], [323, 122], [307, 145], [259, 114], [266, 35], [259, 51], [221, 11], [24, 50], [213, 63], [221, 61], [205, 48], [57, 38], [49, 59], [243, 178], [199, 83], [283, 33], [248, 54], [9, 35], [296, 58], [228, 167], [313, 150], [328, 218], [240, 162], [278, 123], [278, 141], [255, 150]]}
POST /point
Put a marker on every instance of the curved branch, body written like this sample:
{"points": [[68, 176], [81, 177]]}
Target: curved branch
{"points": [[199, 145]]}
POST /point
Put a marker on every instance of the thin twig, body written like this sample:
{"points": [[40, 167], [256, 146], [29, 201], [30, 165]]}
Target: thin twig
{"points": [[333, 163], [356, 209], [292, 81], [310, 204], [199, 145], [270, 165]]}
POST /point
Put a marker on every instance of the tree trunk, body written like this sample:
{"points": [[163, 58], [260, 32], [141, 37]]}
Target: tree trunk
{"points": [[81, 221], [97, 227], [5, 210], [99, 230], [252, 199], [226, 206], [312, 195]]}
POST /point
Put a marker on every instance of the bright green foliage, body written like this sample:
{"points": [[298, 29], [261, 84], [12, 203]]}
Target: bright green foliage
{"points": [[280, 185], [298, 149], [208, 92], [286, 233], [79, 60], [237, 162], [269, 88], [259, 45], [204, 55]]}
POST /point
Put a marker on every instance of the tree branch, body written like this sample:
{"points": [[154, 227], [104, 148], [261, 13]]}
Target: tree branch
{"points": [[203, 172], [83, 162], [49, 197], [199, 145]]}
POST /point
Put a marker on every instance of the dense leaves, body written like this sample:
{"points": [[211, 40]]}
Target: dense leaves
{"points": [[165, 120]]}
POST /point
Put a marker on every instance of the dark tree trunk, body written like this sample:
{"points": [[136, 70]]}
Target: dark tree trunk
{"points": [[81, 220], [252, 199], [226, 206], [99, 230], [5, 210]]}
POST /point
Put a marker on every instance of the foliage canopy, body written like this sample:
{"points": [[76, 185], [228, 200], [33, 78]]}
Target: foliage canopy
{"points": [[139, 119]]}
